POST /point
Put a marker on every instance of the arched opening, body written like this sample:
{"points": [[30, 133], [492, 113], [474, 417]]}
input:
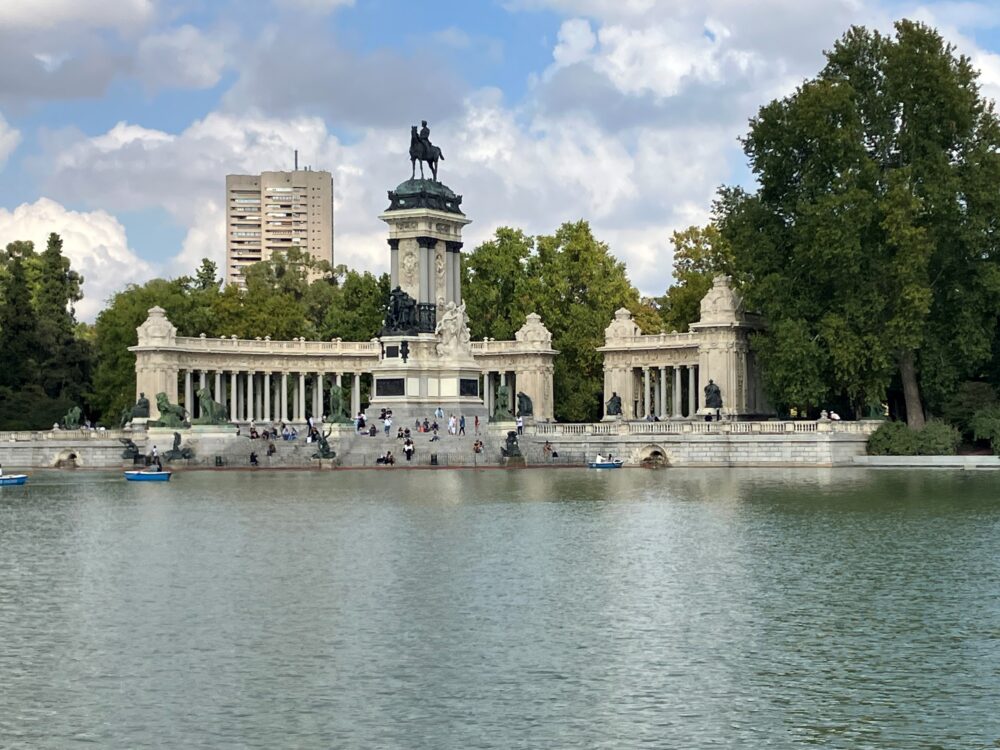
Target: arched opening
{"points": [[66, 459], [653, 457]]}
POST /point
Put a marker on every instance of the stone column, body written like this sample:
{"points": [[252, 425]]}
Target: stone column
{"points": [[251, 412], [488, 393], [217, 393], [301, 406], [692, 391], [283, 397], [393, 263], [258, 404], [267, 397], [234, 412], [677, 393], [662, 413], [318, 398], [646, 393], [356, 395], [189, 393]]}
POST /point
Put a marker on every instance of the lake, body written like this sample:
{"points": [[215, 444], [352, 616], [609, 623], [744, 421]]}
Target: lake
{"points": [[560, 608]]}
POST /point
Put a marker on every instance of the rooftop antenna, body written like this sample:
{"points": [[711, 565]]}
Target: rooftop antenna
{"points": [[296, 160]]}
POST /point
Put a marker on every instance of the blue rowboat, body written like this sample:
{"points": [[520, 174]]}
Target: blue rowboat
{"points": [[6, 479], [148, 476], [616, 464]]}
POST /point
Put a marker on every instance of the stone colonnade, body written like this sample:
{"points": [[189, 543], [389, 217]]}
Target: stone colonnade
{"points": [[265, 395], [664, 375], [271, 381]]}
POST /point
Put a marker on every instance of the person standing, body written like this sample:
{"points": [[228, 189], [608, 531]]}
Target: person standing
{"points": [[476, 425], [461, 425], [520, 425]]}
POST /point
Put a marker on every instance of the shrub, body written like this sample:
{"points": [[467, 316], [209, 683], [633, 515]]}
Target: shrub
{"points": [[985, 425], [892, 439], [896, 439], [938, 439]]}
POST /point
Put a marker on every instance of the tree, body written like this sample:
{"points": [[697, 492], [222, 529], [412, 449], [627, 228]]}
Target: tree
{"points": [[497, 287], [18, 323], [357, 308], [870, 244], [580, 286], [700, 253]]}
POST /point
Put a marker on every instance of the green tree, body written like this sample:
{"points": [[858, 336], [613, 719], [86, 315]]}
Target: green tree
{"points": [[497, 287], [700, 253], [580, 286], [870, 243], [357, 308], [18, 322]]}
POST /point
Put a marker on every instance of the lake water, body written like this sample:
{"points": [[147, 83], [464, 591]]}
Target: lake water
{"points": [[502, 609]]}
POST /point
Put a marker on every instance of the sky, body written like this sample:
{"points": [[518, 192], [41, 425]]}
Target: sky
{"points": [[119, 119]]}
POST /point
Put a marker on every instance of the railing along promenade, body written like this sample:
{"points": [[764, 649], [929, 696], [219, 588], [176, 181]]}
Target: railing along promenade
{"points": [[14, 436], [770, 427], [267, 346]]}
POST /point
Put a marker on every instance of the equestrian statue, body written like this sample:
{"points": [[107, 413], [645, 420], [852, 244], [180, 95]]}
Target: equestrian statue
{"points": [[422, 150]]}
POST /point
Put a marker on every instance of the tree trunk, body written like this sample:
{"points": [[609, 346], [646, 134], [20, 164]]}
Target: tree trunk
{"points": [[911, 391]]}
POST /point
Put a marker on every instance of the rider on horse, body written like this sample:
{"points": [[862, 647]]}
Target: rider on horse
{"points": [[422, 150]]}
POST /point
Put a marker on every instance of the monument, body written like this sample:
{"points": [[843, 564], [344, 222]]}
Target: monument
{"points": [[426, 358]]}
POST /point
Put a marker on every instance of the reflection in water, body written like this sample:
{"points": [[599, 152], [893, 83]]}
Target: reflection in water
{"points": [[562, 608]]}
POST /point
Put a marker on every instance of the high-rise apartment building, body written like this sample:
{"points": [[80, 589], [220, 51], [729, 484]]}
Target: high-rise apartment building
{"points": [[273, 211]]}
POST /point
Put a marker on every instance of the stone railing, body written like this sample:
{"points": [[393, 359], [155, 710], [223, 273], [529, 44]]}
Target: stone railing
{"points": [[654, 340], [266, 346], [72, 435], [679, 427]]}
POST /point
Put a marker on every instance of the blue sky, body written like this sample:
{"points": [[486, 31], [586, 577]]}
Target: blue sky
{"points": [[120, 118]]}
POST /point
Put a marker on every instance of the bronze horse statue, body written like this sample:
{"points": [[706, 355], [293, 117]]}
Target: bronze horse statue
{"points": [[418, 153]]}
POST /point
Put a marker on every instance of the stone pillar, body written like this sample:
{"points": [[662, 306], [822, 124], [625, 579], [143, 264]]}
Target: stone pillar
{"points": [[189, 393], [283, 397], [646, 394], [488, 393], [663, 411], [234, 411], [318, 397], [393, 263], [503, 377], [677, 393], [692, 391], [302, 397], [217, 393], [356, 395], [258, 403], [251, 413], [425, 269], [267, 397]]}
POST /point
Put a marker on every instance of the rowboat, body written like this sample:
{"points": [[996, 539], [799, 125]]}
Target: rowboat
{"points": [[616, 464], [11, 479], [148, 476]]}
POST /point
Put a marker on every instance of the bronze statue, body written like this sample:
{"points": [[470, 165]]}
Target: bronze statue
{"points": [[338, 406], [212, 412], [614, 405], [511, 449], [401, 313], [422, 150], [524, 406], [72, 419], [171, 415], [713, 396], [141, 408], [176, 451], [501, 412], [325, 451]]}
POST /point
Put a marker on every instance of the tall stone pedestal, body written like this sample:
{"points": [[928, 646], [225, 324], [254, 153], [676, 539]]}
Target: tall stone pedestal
{"points": [[426, 379]]}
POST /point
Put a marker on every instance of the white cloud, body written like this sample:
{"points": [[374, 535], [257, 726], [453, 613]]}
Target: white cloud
{"points": [[576, 41], [9, 139], [183, 57], [94, 241], [314, 6], [44, 14]]}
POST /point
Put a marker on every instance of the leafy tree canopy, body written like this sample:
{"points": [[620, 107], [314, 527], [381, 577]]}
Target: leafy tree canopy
{"points": [[871, 242]]}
